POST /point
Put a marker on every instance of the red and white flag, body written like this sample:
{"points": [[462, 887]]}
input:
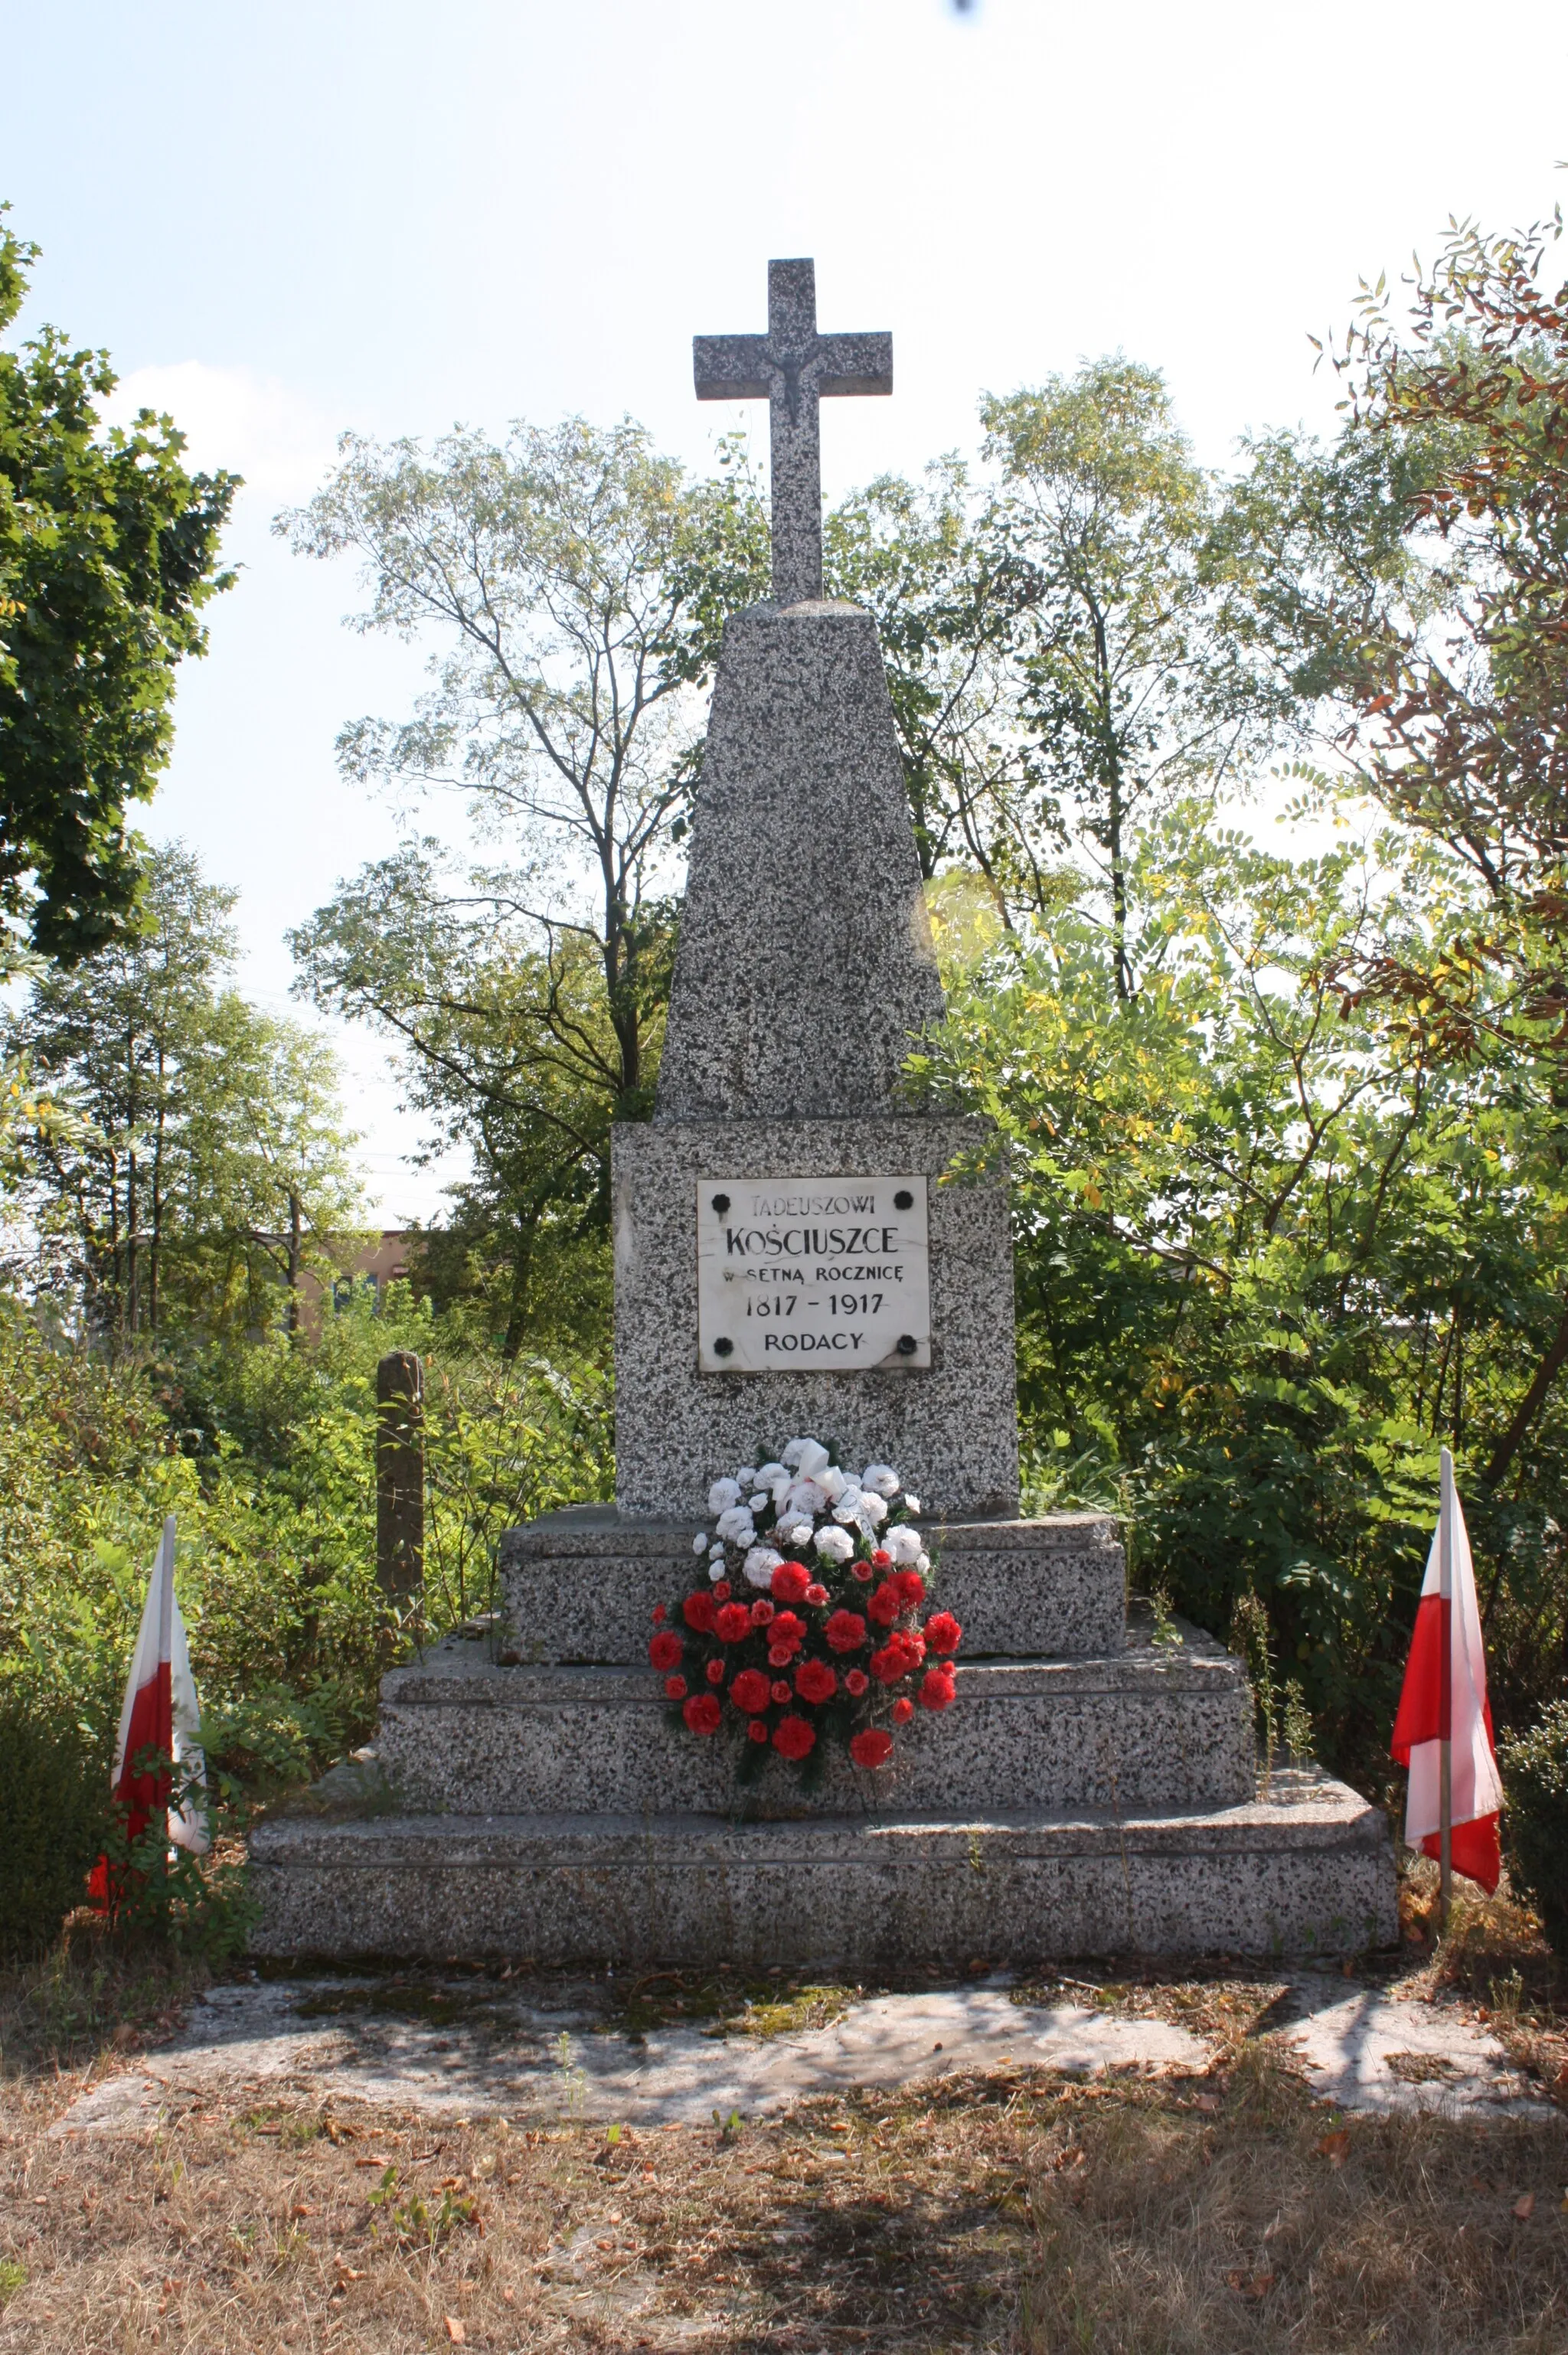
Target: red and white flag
{"points": [[159, 1712], [1445, 1699]]}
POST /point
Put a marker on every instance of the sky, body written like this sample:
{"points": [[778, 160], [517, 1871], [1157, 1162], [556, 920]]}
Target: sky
{"points": [[289, 221]]}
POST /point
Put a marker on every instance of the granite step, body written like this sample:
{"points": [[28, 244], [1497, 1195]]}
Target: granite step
{"points": [[1147, 1726], [582, 1585], [1308, 1867]]}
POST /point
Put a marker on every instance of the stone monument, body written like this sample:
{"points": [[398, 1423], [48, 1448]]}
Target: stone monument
{"points": [[799, 1251]]}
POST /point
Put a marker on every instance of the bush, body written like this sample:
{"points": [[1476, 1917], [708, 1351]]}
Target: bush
{"points": [[1535, 1781], [54, 1817]]}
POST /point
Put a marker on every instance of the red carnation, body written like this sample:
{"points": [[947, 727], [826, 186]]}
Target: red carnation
{"points": [[787, 1635], [856, 1682], [885, 1603], [793, 1737], [936, 1692], [758, 1729], [846, 1631], [903, 1709], [698, 1612], [702, 1713], [814, 1680], [872, 1748], [715, 1672], [912, 1589], [750, 1691], [780, 1691], [902, 1651], [817, 1594], [722, 1590], [761, 1612], [943, 1632], [660, 1615], [733, 1624], [675, 1687], [665, 1651], [863, 1572], [790, 1582]]}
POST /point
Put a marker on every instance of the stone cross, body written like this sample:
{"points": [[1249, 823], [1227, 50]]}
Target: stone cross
{"points": [[792, 368]]}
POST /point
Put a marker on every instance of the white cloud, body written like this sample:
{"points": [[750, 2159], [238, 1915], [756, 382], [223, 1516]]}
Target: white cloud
{"points": [[258, 426]]}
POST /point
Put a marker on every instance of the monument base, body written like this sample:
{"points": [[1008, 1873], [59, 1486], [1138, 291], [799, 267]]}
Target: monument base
{"points": [[1306, 1869], [1092, 1790]]}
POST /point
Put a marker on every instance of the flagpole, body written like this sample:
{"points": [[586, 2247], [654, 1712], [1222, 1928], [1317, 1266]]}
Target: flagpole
{"points": [[1445, 1692]]}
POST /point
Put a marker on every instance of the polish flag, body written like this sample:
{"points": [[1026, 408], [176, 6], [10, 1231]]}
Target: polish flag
{"points": [[160, 1712], [1445, 1699]]}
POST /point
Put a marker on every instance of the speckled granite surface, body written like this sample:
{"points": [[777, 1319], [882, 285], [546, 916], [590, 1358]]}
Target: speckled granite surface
{"points": [[1307, 1870], [806, 962], [583, 1585], [951, 1428], [1145, 1727]]}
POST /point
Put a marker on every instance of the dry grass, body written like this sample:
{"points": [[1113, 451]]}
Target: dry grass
{"points": [[1007, 2212], [1496, 1961], [1134, 2215]]}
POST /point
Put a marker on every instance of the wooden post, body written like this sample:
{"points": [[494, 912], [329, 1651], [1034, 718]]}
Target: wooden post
{"points": [[400, 1476]]}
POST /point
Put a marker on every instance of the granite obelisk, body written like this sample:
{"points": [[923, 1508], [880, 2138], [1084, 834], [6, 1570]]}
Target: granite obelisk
{"points": [[858, 1278]]}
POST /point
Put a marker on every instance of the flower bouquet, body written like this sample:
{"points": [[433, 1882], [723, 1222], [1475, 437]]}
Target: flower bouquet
{"points": [[809, 1629]]}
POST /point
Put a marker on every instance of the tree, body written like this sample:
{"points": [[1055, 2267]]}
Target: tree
{"points": [[207, 1158], [1129, 694], [1265, 1265], [575, 583], [1409, 588], [108, 553], [508, 1048], [932, 563]]}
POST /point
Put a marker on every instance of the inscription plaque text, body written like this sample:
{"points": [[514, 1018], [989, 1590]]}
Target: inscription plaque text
{"points": [[799, 1275]]}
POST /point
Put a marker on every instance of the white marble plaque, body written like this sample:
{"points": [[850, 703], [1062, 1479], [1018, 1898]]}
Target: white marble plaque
{"points": [[810, 1275]]}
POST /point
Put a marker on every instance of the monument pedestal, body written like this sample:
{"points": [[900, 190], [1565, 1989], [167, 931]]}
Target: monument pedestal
{"points": [[1091, 1791]]}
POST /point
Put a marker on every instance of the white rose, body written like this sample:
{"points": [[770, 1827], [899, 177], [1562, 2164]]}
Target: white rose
{"points": [[722, 1495], [768, 1474], [806, 1496], [831, 1482], [812, 1461], [847, 1506], [716, 1568], [792, 1453], [835, 1545], [759, 1500], [760, 1565], [922, 1563], [902, 1544], [737, 1526], [699, 1543], [872, 1512], [911, 1504], [793, 1532], [745, 1478], [881, 1478]]}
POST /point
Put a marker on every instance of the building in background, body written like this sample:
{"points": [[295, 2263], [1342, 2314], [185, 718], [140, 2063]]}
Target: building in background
{"points": [[379, 1261]]}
